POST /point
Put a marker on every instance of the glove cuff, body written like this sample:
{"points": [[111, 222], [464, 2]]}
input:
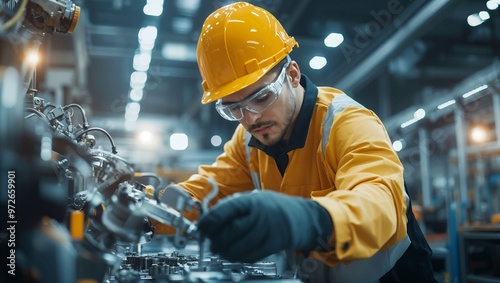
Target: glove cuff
{"points": [[317, 234]]}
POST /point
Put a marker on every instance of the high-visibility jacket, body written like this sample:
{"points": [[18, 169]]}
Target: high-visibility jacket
{"points": [[340, 155]]}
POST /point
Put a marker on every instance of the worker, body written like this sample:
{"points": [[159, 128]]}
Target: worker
{"points": [[308, 169]]}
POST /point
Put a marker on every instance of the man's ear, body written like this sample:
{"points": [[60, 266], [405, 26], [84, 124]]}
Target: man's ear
{"points": [[293, 72]]}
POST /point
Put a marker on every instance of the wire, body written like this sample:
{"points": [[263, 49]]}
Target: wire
{"points": [[113, 146], [49, 105], [35, 112], [84, 117], [150, 175], [16, 17]]}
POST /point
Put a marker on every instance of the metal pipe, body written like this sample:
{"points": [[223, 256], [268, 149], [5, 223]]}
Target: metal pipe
{"points": [[462, 171], [424, 167], [496, 115]]}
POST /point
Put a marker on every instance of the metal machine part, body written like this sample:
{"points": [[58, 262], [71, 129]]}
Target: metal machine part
{"points": [[178, 267], [174, 202], [52, 16], [204, 209], [103, 185]]}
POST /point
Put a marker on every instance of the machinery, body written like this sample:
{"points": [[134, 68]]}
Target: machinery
{"points": [[73, 212]]}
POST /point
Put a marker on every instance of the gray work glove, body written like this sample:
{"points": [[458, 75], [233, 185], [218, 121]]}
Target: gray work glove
{"points": [[252, 226]]}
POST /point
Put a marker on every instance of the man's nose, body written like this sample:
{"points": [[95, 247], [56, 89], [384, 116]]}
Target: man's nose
{"points": [[250, 117]]}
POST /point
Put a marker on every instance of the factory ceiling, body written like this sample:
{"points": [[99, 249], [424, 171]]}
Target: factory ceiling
{"points": [[396, 53]]}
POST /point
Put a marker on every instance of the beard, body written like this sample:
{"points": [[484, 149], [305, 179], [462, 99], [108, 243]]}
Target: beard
{"points": [[267, 139]]}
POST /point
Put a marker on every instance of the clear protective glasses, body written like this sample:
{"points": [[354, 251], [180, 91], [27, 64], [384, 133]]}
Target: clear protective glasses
{"points": [[255, 103]]}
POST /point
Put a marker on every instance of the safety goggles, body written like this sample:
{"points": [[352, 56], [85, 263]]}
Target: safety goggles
{"points": [[255, 103]]}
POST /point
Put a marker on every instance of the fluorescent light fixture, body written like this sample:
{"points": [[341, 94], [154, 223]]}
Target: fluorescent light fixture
{"points": [[178, 141], [478, 134], [492, 5], [131, 117], [409, 122], [148, 139], [188, 7], [397, 145], [182, 25], [137, 85], [136, 94], [32, 57], [146, 47], [179, 52], [474, 91], [139, 67], [317, 62], [153, 8], [334, 39], [142, 59], [147, 35], [446, 104], [133, 107], [474, 20], [145, 137], [418, 115], [138, 77], [216, 140], [483, 15]]}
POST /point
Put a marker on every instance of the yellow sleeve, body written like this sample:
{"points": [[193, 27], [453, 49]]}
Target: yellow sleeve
{"points": [[230, 171], [369, 204]]}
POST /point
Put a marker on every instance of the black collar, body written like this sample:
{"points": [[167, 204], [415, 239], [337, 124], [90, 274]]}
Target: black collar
{"points": [[301, 128]]}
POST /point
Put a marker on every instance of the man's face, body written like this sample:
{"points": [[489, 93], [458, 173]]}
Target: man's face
{"points": [[271, 125]]}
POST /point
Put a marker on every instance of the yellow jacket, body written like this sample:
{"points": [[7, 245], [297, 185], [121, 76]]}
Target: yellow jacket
{"points": [[340, 155]]}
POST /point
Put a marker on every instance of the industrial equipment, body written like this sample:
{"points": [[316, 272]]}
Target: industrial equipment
{"points": [[74, 210]]}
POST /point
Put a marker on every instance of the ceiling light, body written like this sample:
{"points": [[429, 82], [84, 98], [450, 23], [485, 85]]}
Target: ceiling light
{"points": [[492, 5], [178, 141], [182, 25], [145, 137], [32, 57], [216, 140], [484, 15], [478, 134], [188, 7], [474, 91], [474, 20], [409, 122], [419, 114], [446, 104], [136, 94], [138, 77], [131, 117], [139, 67], [133, 107], [142, 59], [317, 62], [397, 145], [147, 35], [137, 85], [179, 52], [334, 39], [153, 8]]}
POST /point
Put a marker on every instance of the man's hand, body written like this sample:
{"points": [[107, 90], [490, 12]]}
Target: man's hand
{"points": [[249, 227]]}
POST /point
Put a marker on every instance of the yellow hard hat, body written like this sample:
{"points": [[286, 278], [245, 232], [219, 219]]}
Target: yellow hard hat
{"points": [[239, 43]]}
